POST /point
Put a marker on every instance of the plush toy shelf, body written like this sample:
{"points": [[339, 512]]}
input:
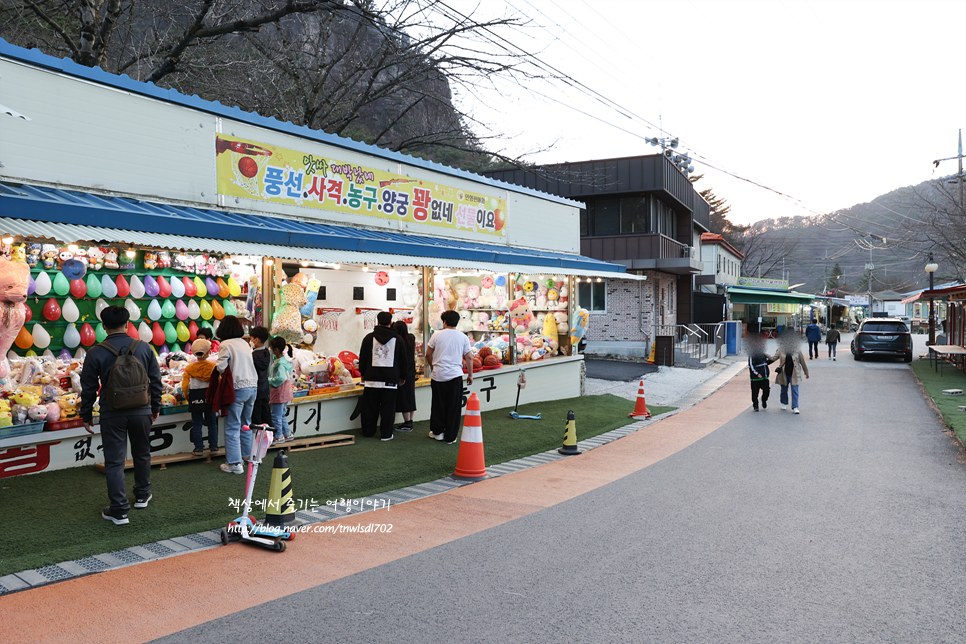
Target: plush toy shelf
{"points": [[22, 430]]}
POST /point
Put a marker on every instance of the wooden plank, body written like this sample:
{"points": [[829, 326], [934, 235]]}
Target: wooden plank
{"points": [[297, 445]]}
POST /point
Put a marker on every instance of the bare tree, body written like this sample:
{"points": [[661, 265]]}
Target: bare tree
{"points": [[764, 251]]}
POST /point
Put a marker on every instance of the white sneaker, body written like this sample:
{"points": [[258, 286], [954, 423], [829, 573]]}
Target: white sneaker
{"points": [[437, 437], [232, 468], [784, 406], [795, 411]]}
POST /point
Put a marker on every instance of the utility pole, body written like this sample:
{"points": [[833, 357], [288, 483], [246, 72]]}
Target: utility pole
{"points": [[960, 177]]}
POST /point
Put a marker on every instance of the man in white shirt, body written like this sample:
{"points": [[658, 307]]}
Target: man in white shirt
{"points": [[447, 353]]}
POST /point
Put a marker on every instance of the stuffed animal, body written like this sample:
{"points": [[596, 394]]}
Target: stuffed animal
{"points": [[288, 320], [224, 266], [471, 301], [49, 255], [37, 412], [33, 254], [69, 403], [553, 299], [95, 258], [581, 319], [435, 316], [561, 317], [550, 326], [168, 400], [63, 256], [181, 262], [466, 321], [150, 260], [460, 291], [541, 297], [53, 411], [201, 264], [126, 260], [487, 298], [81, 256], [14, 281], [500, 297], [25, 398], [211, 266], [520, 315], [164, 259], [534, 325], [110, 258], [19, 413]]}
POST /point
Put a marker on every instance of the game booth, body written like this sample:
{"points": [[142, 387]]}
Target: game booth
{"points": [[302, 232]]}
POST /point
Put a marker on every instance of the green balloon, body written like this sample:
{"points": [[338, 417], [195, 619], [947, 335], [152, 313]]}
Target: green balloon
{"points": [[167, 310], [205, 324], [170, 334], [100, 333], [229, 308], [94, 289], [61, 284], [175, 347]]}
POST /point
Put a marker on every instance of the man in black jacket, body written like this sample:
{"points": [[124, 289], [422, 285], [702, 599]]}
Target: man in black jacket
{"points": [[119, 425], [382, 363]]}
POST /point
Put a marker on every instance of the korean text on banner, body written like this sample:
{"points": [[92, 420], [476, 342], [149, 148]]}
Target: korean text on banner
{"points": [[253, 170]]}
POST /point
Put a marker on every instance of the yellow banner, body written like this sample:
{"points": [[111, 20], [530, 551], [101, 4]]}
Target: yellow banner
{"points": [[253, 170], [782, 308]]}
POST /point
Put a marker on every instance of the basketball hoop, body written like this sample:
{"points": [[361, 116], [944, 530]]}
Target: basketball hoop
{"points": [[246, 175], [368, 317], [330, 319], [403, 313]]}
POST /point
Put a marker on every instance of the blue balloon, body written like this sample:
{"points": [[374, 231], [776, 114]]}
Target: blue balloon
{"points": [[500, 280]]}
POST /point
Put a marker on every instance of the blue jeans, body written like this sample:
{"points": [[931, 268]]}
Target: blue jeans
{"points": [[831, 349], [784, 395], [198, 421], [239, 413], [279, 421]]}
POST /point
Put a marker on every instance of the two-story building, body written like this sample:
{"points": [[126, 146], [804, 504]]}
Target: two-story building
{"points": [[641, 212], [722, 268]]}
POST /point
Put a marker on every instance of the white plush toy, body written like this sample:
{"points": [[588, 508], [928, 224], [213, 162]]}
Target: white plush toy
{"points": [[500, 296], [466, 321]]}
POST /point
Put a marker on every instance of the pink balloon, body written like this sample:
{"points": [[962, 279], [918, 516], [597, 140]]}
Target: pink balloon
{"points": [[181, 310]]}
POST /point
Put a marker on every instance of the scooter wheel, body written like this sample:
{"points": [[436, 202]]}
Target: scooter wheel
{"points": [[279, 546], [224, 537], [291, 535]]}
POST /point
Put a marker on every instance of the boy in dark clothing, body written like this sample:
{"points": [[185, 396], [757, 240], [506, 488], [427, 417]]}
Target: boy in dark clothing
{"points": [[758, 370], [119, 425], [382, 363], [262, 357]]}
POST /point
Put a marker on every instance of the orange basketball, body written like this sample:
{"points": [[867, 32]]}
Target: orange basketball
{"points": [[248, 167], [477, 363], [491, 360], [484, 352]]}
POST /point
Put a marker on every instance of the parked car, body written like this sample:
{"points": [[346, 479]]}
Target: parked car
{"points": [[882, 336]]}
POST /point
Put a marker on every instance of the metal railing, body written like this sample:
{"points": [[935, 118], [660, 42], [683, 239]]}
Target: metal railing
{"points": [[696, 341]]}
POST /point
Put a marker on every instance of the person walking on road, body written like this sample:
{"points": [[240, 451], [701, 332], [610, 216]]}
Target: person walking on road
{"points": [[832, 338], [447, 353], [813, 333], [791, 368], [758, 362]]}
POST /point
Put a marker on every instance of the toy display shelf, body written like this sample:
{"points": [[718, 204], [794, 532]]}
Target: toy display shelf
{"points": [[22, 430]]}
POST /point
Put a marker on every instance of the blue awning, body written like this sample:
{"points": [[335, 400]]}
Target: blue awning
{"points": [[98, 212]]}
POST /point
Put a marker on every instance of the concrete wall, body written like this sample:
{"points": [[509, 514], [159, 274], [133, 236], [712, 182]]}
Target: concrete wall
{"points": [[633, 305]]}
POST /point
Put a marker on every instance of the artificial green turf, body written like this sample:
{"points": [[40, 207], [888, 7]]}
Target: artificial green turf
{"points": [[934, 383], [55, 516]]}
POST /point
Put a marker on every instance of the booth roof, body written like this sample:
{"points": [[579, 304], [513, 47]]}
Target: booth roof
{"points": [[755, 296], [71, 216]]}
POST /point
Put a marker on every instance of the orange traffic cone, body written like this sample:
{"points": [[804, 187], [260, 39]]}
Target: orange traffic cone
{"points": [[470, 464], [640, 408]]}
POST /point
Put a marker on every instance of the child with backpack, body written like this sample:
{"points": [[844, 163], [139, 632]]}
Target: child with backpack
{"points": [[261, 411], [194, 384], [280, 381]]}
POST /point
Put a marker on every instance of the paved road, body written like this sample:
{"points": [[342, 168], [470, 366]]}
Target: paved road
{"points": [[843, 524], [617, 370]]}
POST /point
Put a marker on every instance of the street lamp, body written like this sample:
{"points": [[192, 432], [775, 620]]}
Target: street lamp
{"points": [[931, 268]]}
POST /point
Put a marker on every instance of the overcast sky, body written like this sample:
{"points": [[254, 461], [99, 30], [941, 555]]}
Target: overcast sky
{"points": [[829, 102]]}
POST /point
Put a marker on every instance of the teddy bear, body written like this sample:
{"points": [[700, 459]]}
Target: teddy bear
{"points": [[482, 321], [561, 317], [466, 321], [460, 290], [520, 315], [110, 258], [288, 320], [435, 316], [487, 297], [500, 297], [541, 300], [471, 301]]}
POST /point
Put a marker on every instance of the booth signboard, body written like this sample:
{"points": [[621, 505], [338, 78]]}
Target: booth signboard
{"points": [[253, 170], [761, 282], [858, 300], [784, 309]]}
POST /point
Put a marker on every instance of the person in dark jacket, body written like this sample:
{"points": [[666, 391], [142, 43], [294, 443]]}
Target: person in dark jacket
{"points": [[262, 357], [832, 339], [406, 394], [382, 363], [758, 362], [119, 426], [813, 333]]}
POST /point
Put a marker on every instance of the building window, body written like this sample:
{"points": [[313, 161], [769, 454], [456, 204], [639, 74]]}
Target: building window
{"points": [[592, 296], [607, 217], [634, 215]]}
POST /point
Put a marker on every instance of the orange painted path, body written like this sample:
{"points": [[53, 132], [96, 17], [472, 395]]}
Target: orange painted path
{"points": [[149, 600]]}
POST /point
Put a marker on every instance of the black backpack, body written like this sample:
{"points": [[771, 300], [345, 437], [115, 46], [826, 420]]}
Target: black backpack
{"points": [[128, 385]]}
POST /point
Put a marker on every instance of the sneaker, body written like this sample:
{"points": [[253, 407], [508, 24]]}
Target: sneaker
{"points": [[764, 405], [405, 427], [450, 442], [756, 409], [436, 437], [235, 468], [784, 406], [214, 450], [387, 439], [198, 452], [795, 411], [834, 360], [142, 502], [119, 517]]}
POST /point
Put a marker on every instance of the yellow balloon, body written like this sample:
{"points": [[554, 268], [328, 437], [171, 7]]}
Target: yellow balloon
{"points": [[233, 288], [206, 311], [183, 334], [202, 289]]}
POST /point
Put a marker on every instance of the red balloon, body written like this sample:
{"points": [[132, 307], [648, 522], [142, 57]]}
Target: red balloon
{"points": [[88, 337], [52, 310], [192, 331], [164, 289], [28, 314], [158, 338], [190, 290], [132, 330], [123, 288], [78, 288]]}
